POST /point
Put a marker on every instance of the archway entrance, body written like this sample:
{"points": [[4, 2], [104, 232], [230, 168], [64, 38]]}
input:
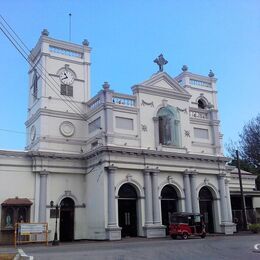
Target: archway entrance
{"points": [[206, 208], [127, 213], [169, 204], [67, 208]]}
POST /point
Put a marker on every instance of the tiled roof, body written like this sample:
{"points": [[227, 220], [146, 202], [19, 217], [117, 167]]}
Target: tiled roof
{"points": [[16, 201]]}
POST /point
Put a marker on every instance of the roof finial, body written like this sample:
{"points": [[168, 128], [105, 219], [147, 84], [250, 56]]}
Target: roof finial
{"points": [[211, 74], [184, 68], [85, 42], [45, 32], [160, 61], [106, 85]]}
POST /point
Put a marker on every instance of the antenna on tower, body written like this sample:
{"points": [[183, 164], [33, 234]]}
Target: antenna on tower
{"points": [[69, 26]]}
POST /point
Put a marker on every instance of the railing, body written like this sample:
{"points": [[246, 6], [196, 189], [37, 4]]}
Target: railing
{"points": [[123, 100], [95, 103], [129, 102], [65, 52], [199, 83], [199, 114]]}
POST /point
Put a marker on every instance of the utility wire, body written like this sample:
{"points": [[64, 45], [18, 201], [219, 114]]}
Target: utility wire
{"points": [[37, 65], [43, 77], [23, 53], [12, 131], [46, 79]]}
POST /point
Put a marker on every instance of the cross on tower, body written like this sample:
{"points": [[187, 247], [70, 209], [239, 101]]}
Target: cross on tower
{"points": [[160, 61]]}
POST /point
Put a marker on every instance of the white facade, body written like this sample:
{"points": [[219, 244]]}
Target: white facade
{"points": [[166, 134]]}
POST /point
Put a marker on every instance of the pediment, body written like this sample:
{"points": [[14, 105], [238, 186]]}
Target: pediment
{"points": [[162, 81]]}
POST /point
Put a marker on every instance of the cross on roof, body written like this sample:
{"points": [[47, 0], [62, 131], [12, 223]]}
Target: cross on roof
{"points": [[160, 61]]}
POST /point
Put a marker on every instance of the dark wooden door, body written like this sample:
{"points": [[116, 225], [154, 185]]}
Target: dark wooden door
{"points": [[67, 220], [168, 206], [206, 202], [206, 211], [127, 217]]}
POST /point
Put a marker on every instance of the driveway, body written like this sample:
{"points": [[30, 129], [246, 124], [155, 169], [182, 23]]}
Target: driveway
{"points": [[214, 247]]}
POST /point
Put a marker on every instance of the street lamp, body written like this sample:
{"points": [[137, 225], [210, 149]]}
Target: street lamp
{"points": [[55, 241]]}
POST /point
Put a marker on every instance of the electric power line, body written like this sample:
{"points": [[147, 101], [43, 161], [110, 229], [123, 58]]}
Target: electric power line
{"points": [[44, 78], [23, 53]]}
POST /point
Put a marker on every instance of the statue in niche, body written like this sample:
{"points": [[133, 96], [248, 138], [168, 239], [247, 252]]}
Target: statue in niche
{"points": [[8, 221]]}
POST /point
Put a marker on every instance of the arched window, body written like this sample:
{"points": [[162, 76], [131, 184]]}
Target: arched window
{"points": [[201, 104], [169, 127]]}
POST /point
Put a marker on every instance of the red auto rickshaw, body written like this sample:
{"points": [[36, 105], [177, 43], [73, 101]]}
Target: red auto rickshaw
{"points": [[186, 224]]}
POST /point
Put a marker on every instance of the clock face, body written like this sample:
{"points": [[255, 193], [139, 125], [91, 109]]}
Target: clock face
{"points": [[66, 77]]}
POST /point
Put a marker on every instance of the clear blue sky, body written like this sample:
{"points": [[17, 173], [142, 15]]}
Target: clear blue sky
{"points": [[126, 36]]}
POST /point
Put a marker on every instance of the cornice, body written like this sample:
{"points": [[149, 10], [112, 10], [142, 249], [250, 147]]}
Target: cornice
{"points": [[121, 108], [200, 121], [55, 155], [160, 92], [13, 153], [63, 140], [200, 89], [53, 113], [68, 60], [138, 152]]}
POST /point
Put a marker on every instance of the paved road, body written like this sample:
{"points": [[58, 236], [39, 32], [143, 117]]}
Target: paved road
{"points": [[218, 247]]}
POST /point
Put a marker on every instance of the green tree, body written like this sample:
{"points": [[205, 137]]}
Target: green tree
{"points": [[248, 146]]}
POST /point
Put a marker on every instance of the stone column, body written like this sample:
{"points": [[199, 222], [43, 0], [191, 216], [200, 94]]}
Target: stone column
{"points": [[43, 196], [148, 198], [228, 199], [186, 180], [156, 213], [111, 196], [113, 231], [156, 131], [223, 204], [194, 197]]}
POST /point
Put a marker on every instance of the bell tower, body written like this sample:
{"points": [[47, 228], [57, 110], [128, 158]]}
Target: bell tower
{"points": [[59, 87]]}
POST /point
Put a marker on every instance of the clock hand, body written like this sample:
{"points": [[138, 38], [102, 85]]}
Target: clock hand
{"points": [[65, 76]]}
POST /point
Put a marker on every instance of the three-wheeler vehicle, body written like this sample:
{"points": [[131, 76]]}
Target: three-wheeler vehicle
{"points": [[186, 224]]}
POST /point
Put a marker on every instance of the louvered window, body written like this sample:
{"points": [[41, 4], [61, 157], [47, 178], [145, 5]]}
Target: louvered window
{"points": [[66, 90]]}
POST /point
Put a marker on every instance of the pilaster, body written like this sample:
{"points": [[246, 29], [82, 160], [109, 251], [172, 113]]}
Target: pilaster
{"points": [[148, 198], [113, 231], [153, 227], [155, 196], [215, 128], [226, 226], [156, 131], [43, 195], [194, 197], [187, 190]]}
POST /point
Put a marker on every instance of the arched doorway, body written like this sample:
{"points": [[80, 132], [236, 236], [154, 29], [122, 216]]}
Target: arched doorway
{"points": [[169, 204], [206, 208], [67, 209], [127, 213]]}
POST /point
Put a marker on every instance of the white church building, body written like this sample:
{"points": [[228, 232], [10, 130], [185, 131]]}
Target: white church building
{"points": [[115, 164]]}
